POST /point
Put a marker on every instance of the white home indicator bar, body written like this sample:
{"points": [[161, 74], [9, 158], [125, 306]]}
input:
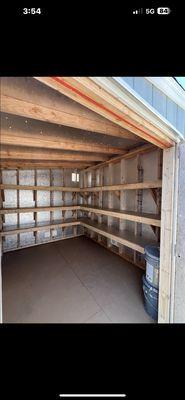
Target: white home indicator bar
{"points": [[92, 395]]}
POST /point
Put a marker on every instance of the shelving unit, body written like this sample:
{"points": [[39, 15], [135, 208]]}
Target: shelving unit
{"points": [[122, 237]]}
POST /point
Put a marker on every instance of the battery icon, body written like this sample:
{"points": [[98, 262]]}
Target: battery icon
{"points": [[163, 10]]}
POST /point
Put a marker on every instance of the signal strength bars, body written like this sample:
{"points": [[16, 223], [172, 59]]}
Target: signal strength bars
{"points": [[140, 11]]}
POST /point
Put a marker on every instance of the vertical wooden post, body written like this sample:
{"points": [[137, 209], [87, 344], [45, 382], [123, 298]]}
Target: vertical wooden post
{"points": [[167, 234], [51, 201], [93, 180], [100, 198], [18, 206], [159, 176], [122, 222], [75, 212], [1, 250], [63, 198], [110, 200], [35, 199], [139, 204]]}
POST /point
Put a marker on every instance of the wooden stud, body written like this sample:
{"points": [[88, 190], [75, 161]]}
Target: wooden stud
{"points": [[158, 190], [35, 193], [110, 201], [167, 238], [100, 200], [122, 223], [18, 206], [139, 203]]}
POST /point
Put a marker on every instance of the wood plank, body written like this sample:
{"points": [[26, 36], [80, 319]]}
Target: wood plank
{"points": [[129, 154], [35, 196], [122, 222], [150, 219], [35, 187], [96, 98], [100, 197], [71, 116], [145, 218], [54, 141], [31, 153], [18, 205], [110, 201], [125, 238], [138, 202], [11, 230], [124, 186], [25, 164], [122, 255], [167, 236]]}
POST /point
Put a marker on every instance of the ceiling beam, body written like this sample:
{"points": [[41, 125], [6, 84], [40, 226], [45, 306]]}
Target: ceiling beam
{"points": [[59, 111], [36, 164], [19, 137], [96, 98], [32, 153]]}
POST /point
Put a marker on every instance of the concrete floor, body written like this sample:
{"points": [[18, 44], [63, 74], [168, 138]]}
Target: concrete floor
{"points": [[73, 280]]}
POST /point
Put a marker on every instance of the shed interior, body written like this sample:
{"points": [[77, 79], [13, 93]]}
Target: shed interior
{"points": [[70, 173]]}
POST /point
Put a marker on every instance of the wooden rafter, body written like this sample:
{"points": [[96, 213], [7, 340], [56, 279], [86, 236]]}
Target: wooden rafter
{"points": [[45, 164], [31, 153], [54, 141], [70, 114], [91, 95]]}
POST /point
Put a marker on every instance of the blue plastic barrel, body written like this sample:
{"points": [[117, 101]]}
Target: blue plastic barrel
{"points": [[152, 257], [150, 299]]}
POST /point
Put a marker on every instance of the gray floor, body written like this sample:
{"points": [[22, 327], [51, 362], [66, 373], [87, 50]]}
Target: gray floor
{"points": [[73, 280]]}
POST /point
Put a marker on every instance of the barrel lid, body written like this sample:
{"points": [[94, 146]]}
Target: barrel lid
{"points": [[153, 251]]}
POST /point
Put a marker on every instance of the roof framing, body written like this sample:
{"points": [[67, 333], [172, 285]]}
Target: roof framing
{"points": [[91, 92]]}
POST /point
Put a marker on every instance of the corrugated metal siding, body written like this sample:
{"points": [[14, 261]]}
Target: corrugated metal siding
{"points": [[162, 103]]}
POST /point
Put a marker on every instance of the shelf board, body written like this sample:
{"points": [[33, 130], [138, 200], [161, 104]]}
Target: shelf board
{"points": [[123, 186], [50, 188], [145, 218], [11, 230], [126, 238], [149, 219], [38, 209]]}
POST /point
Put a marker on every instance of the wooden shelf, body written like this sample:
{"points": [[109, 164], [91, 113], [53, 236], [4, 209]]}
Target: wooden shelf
{"points": [[38, 209], [41, 242], [123, 186], [126, 238], [12, 230], [28, 187], [149, 219]]}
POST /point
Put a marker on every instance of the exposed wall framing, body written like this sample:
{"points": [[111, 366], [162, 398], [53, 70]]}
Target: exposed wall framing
{"points": [[107, 218], [167, 235]]}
